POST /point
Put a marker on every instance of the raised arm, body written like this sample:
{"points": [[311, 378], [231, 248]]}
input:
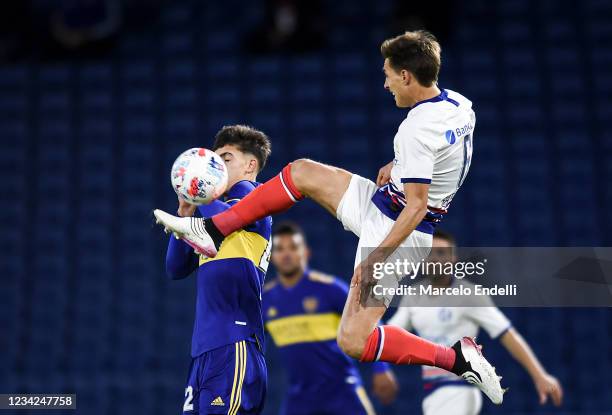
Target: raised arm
{"points": [[407, 221], [545, 384], [181, 261]]}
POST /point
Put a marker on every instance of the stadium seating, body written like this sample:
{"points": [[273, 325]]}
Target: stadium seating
{"points": [[87, 146]]}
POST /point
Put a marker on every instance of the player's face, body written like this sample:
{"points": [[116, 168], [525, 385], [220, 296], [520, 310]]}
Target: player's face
{"points": [[240, 165], [442, 251], [289, 254], [395, 83]]}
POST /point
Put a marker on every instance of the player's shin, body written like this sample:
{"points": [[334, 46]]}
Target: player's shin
{"points": [[274, 196], [395, 345]]}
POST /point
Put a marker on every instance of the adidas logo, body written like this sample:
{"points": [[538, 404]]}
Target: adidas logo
{"points": [[217, 402], [472, 377]]}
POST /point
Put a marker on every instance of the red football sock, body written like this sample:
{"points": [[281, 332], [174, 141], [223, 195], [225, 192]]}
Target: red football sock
{"points": [[395, 345], [274, 196]]}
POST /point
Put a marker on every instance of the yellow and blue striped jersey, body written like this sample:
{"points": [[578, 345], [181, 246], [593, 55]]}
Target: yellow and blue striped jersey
{"points": [[229, 286], [303, 322]]}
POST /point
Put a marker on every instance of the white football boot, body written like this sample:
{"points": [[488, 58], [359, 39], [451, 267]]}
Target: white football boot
{"points": [[191, 230], [476, 370]]}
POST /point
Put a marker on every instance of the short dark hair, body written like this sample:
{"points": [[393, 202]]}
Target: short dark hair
{"points": [[247, 139], [288, 228], [417, 52], [447, 236]]}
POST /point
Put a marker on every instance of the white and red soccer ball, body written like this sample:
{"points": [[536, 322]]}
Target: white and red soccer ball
{"points": [[199, 176]]}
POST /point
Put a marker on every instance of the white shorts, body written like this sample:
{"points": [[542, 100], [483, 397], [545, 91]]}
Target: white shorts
{"points": [[359, 215], [456, 400]]}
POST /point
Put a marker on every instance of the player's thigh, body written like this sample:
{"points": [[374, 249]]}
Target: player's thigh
{"points": [[192, 388], [458, 400], [229, 378], [356, 209], [254, 386], [322, 183]]}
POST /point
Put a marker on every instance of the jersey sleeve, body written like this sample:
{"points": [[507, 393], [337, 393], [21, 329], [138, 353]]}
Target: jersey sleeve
{"points": [[181, 261], [338, 292], [490, 318], [380, 367], [415, 154], [401, 318], [214, 207]]}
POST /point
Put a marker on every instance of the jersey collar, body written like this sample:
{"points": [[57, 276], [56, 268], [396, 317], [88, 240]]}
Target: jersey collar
{"points": [[442, 96]]}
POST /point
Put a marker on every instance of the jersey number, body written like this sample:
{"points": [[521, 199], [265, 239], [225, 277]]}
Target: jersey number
{"points": [[264, 261], [188, 406], [467, 158]]}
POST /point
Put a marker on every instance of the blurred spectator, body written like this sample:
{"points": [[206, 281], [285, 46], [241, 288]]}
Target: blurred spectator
{"points": [[289, 25]]}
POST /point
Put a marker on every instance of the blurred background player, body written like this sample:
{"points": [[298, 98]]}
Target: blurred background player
{"points": [[394, 218], [435, 320], [302, 310], [228, 371]]}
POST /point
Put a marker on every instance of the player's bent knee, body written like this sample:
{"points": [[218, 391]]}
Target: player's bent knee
{"points": [[300, 171], [350, 343]]}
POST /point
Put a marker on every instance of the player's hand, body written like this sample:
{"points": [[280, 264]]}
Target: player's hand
{"points": [[363, 279], [185, 209], [385, 387], [548, 385], [384, 175]]}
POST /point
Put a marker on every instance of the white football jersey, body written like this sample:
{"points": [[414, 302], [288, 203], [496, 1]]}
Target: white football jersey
{"points": [[433, 145], [446, 325]]}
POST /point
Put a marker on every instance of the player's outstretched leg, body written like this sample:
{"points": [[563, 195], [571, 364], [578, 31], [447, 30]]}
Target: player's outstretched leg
{"points": [[302, 178], [360, 338]]}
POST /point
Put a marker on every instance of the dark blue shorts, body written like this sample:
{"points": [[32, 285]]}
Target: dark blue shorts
{"points": [[228, 380], [347, 399]]}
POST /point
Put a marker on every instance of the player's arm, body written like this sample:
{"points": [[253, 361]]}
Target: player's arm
{"points": [[384, 383], [415, 159], [384, 174], [181, 261], [545, 384], [407, 221]]}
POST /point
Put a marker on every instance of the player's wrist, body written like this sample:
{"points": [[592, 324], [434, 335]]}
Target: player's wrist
{"points": [[539, 376]]}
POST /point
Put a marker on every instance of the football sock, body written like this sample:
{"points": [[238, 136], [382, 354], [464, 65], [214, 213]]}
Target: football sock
{"points": [[274, 196], [395, 345]]}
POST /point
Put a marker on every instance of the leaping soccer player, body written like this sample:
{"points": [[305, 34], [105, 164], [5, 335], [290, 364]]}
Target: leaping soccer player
{"points": [[228, 371], [433, 151], [302, 309]]}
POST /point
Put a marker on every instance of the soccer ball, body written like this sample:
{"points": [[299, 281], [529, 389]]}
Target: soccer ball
{"points": [[199, 176]]}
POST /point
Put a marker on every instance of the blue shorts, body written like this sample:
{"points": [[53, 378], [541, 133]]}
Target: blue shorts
{"points": [[230, 380], [347, 399]]}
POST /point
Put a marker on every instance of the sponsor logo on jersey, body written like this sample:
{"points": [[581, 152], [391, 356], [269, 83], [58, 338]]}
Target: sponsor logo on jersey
{"points": [[450, 137], [453, 135], [444, 314], [310, 304], [272, 312], [466, 129], [217, 402]]}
